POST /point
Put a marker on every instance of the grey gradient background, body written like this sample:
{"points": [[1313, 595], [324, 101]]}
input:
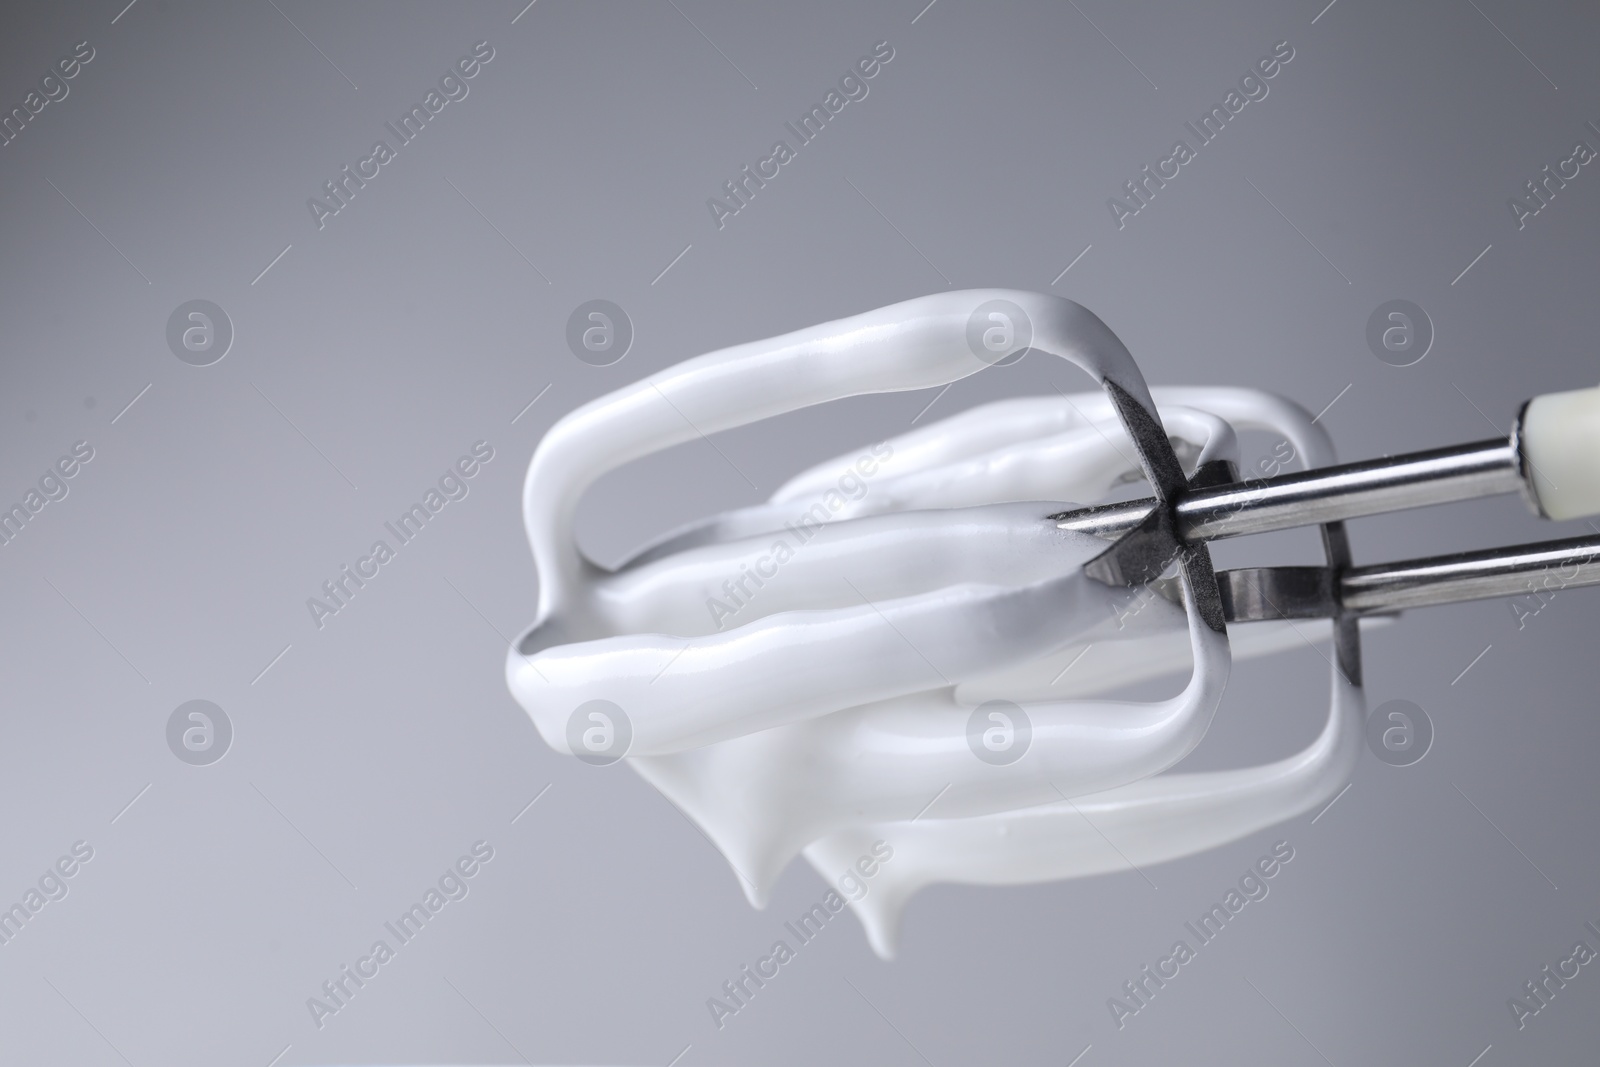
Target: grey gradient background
{"points": [[377, 349]]}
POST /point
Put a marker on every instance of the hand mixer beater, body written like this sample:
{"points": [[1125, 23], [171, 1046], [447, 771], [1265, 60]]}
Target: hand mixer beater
{"points": [[901, 673]]}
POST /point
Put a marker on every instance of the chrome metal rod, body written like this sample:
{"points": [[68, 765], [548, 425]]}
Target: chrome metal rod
{"points": [[1327, 494], [1516, 571]]}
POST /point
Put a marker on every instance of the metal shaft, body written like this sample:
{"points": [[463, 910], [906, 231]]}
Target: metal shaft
{"points": [[1328, 494], [1500, 572]]}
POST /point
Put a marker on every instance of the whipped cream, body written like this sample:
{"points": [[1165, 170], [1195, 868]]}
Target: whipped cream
{"points": [[876, 674]]}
